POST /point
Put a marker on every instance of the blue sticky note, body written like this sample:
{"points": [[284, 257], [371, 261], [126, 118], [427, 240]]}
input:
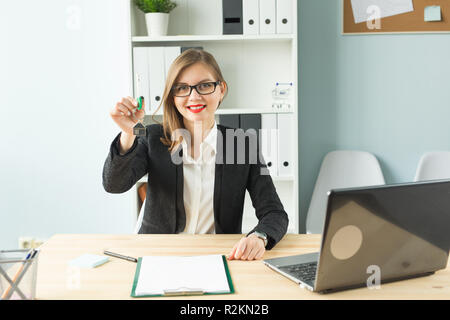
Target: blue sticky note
{"points": [[433, 13], [88, 261]]}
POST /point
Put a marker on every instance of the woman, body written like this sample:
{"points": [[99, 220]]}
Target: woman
{"points": [[195, 184]]}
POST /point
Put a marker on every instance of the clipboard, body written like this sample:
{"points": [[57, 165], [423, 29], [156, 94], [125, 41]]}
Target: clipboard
{"points": [[182, 290]]}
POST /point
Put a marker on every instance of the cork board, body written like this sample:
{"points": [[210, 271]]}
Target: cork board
{"points": [[405, 22]]}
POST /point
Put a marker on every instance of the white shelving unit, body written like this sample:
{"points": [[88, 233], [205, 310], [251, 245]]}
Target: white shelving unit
{"points": [[251, 65], [213, 38]]}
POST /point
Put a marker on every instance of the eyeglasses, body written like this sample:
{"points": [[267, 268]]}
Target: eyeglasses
{"points": [[184, 90]]}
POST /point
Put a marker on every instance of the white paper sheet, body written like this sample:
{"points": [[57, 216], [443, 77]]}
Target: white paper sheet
{"points": [[387, 8], [159, 273]]}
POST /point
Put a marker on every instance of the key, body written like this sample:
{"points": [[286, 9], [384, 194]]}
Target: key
{"points": [[139, 129]]}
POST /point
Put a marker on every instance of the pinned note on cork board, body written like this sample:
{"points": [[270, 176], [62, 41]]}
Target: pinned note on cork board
{"points": [[395, 16]]}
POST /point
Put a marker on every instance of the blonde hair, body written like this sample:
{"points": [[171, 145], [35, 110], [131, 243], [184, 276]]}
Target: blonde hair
{"points": [[172, 119]]}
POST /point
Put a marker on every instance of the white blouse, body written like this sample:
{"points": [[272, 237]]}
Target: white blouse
{"points": [[198, 193]]}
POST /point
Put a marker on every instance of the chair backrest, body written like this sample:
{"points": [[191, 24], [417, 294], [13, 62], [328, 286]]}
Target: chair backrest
{"points": [[139, 220], [433, 166], [341, 169]]}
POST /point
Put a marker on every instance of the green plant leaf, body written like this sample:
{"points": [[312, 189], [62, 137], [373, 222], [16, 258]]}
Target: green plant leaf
{"points": [[163, 6]]}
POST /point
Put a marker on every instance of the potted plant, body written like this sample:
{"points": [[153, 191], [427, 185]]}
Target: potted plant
{"points": [[156, 15]]}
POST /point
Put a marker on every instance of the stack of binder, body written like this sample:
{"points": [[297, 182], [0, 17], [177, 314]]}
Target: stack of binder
{"points": [[275, 131], [253, 17], [151, 65], [150, 68]]}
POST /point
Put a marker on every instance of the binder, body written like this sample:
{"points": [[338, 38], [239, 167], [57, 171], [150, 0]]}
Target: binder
{"points": [[229, 120], [157, 276], [252, 124], [284, 144], [284, 16], [170, 54], [250, 121], [232, 17], [141, 75], [267, 16], [269, 143], [250, 13], [156, 65]]}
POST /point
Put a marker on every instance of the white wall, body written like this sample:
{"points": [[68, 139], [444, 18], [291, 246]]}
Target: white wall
{"points": [[63, 65]]}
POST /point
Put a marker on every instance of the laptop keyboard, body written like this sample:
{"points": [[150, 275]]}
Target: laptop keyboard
{"points": [[305, 272]]}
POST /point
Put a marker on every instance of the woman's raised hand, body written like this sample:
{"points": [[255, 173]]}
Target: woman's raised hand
{"points": [[126, 115]]}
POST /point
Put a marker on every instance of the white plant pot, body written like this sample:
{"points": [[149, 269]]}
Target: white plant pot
{"points": [[157, 23]]}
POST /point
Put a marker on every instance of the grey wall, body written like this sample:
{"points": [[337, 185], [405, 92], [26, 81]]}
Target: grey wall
{"points": [[385, 94]]}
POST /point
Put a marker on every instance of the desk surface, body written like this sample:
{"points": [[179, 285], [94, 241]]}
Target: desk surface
{"points": [[251, 279]]}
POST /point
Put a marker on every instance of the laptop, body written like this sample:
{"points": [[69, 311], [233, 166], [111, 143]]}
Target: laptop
{"points": [[374, 235]]}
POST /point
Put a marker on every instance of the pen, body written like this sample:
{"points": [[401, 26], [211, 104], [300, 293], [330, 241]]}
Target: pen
{"points": [[116, 255], [31, 254]]}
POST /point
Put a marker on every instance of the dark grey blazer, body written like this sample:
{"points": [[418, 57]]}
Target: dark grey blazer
{"points": [[164, 208]]}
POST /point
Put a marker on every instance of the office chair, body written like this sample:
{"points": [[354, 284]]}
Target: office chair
{"points": [[142, 190], [341, 169], [433, 166], [139, 220]]}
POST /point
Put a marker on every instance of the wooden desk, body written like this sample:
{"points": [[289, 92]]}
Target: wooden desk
{"points": [[252, 279]]}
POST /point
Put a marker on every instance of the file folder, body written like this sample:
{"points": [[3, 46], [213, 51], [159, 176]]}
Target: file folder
{"points": [[269, 143], [156, 63], [170, 54], [251, 124], [174, 275], [267, 16], [229, 120], [141, 75], [285, 136], [232, 17], [250, 12], [284, 16], [250, 121]]}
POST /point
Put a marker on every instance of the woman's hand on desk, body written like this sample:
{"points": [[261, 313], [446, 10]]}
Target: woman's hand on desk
{"points": [[248, 248]]}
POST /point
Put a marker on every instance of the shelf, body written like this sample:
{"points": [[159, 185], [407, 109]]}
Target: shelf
{"points": [[249, 111], [251, 64], [241, 111], [218, 38]]}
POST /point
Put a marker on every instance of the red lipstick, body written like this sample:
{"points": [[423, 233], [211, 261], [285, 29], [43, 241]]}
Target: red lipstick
{"points": [[196, 108]]}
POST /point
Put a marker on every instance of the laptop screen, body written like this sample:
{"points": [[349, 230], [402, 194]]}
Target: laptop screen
{"points": [[400, 230]]}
